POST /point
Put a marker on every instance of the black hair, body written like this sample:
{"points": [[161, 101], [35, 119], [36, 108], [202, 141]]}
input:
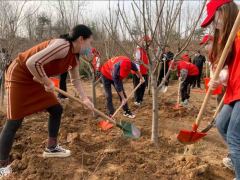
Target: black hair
{"points": [[76, 32], [199, 51], [187, 50], [167, 46], [3, 50]]}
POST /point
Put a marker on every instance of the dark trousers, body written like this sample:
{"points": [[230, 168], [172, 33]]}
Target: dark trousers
{"points": [[139, 93], [108, 94], [146, 80], [62, 84], [198, 80], [161, 76], [11, 127], [185, 87]]}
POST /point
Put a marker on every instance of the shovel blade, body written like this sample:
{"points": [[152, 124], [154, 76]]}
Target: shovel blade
{"points": [[190, 137], [177, 107], [105, 125], [129, 130], [164, 89]]}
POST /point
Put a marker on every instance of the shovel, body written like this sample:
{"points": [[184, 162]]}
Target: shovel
{"points": [[164, 88], [190, 137], [105, 124], [128, 129], [178, 97], [212, 122]]}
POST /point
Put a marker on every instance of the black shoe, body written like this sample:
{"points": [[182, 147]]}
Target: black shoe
{"points": [[58, 151]]}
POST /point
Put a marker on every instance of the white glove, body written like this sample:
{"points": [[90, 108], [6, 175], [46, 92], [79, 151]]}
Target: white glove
{"points": [[224, 76], [50, 88], [206, 62], [89, 103], [142, 80], [214, 84], [164, 59]]}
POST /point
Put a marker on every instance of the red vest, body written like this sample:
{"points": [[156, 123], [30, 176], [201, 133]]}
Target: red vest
{"points": [[94, 62], [233, 86], [143, 58], [108, 66], [192, 69], [185, 56]]}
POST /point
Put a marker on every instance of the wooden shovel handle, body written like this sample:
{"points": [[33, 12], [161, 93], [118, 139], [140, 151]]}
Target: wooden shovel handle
{"points": [[79, 101], [220, 65], [219, 107], [127, 100]]}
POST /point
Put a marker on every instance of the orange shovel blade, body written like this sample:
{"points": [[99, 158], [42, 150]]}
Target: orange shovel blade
{"points": [[105, 125], [190, 137], [177, 107]]}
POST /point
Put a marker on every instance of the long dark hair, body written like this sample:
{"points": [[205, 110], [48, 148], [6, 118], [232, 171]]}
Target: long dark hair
{"points": [[230, 12], [76, 32]]}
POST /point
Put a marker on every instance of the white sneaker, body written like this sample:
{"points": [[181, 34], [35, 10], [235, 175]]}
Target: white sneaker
{"points": [[137, 103], [4, 171], [228, 163], [128, 114], [58, 151]]}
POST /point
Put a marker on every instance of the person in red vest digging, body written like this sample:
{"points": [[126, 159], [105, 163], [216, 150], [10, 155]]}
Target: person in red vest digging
{"points": [[222, 15], [188, 73], [142, 56], [113, 72], [186, 56], [96, 63]]}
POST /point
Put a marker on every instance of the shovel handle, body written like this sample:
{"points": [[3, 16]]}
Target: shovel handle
{"points": [[219, 107], [220, 65], [127, 100], [79, 101]]}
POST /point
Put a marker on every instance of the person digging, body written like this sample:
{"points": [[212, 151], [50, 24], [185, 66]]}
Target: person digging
{"points": [[188, 73], [26, 97], [113, 72]]}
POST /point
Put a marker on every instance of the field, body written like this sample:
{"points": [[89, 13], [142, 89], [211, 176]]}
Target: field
{"points": [[98, 154]]}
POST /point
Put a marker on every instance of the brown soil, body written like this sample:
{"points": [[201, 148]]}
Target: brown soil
{"points": [[98, 154]]}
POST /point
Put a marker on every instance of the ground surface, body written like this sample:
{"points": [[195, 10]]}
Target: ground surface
{"points": [[98, 154]]}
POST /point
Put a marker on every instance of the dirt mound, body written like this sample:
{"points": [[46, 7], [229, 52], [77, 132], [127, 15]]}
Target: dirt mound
{"points": [[98, 154]]}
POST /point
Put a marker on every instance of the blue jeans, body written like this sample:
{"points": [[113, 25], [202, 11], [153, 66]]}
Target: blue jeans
{"points": [[228, 125]]}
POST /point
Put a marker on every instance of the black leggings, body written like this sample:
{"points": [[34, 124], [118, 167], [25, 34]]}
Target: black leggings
{"points": [[11, 127]]}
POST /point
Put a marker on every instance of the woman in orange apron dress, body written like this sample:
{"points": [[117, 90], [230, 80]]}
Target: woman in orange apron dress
{"points": [[25, 96]]}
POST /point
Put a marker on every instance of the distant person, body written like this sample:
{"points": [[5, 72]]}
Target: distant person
{"points": [[167, 56], [114, 71], [96, 62], [188, 73], [142, 56], [198, 60], [63, 85], [186, 56]]}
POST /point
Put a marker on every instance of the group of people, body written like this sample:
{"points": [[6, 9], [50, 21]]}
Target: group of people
{"points": [[57, 56]]}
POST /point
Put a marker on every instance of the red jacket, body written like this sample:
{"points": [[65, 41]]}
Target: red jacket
{"points": [[233, 86], [185, 56], [94, 62], [108, 67], [192, 69], [143, 58]]}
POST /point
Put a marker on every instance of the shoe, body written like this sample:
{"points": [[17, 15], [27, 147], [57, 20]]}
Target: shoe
{"points": [[193, 87], [181, 104], [142, 101], [4, 171], [199, 88], [188, 101], [234, 179], [62, 99], [137, 103], [101, 85], [185, 102], [58, 151], [228, 162], [128, 114]]}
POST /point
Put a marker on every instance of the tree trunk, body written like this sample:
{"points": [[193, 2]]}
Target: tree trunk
{"points": [[94, 99], [149, 85], [2, 89], [154, 137]]}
